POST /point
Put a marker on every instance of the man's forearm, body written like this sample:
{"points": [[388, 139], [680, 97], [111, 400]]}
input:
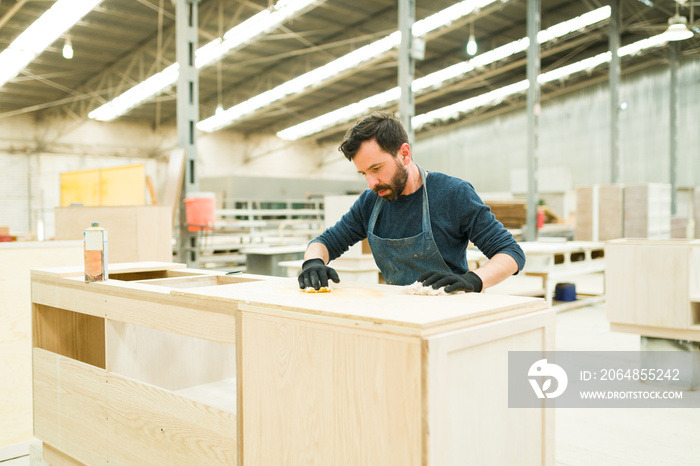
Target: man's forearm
{"points": [[497, 269], [317, 250]]}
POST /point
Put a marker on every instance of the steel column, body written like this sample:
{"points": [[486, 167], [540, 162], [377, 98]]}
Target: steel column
{"points": [[674, 55], [533, 116], [614, 80], [407, 13], [186, 24]]}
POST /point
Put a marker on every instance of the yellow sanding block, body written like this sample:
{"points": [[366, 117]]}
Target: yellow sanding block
{"points": [[311, 289]]}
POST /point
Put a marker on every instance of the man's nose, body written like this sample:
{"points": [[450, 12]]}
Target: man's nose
{"points": [[372, 181]]}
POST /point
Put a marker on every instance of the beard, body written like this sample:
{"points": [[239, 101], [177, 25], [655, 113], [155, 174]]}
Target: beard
{"points": [[396, 185]]}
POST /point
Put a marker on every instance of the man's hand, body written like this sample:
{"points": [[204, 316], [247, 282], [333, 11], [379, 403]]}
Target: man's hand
{"points": [[452, 281], [315, 274]]}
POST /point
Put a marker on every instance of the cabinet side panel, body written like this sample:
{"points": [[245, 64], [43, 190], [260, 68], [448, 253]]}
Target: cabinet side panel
{"points": [[648, 284], [470, 421], [315, 394]]}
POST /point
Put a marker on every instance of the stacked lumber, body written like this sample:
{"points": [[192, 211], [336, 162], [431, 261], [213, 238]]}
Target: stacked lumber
{"points": [[630, 210], [647, 210], [696, 203], [511, 213]]}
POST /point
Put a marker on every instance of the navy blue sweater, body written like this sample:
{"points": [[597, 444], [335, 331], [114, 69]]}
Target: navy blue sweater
{"points": [[457, 216]]}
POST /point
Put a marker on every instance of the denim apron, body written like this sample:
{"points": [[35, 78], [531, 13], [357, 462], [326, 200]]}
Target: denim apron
{"points": [[403, 260]]}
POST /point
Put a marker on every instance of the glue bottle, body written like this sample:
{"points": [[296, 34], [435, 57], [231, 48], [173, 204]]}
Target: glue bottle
{"points": [[95, 251]]}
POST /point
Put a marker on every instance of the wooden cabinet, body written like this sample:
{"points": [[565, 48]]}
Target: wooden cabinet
{"points": [[653, 287], [167, 365]]}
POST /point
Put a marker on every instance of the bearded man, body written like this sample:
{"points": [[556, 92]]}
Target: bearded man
{"points": [[418, 224]]}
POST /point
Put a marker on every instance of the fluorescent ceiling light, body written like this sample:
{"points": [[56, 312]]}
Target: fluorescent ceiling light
{"points": [[235, 38], [498, 95], [439, 78], [40, 34], [332, 69]]}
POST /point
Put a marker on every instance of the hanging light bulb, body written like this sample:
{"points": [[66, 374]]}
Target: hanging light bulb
{"points": [[471, 43], [68, 49], [678, 26]]}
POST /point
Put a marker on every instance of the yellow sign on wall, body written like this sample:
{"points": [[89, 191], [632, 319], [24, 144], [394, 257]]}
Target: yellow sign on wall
{"points": [[115, 186]]}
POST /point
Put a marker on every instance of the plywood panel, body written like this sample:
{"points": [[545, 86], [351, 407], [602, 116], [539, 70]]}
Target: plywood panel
{"points": [[70, 334], [123, 186], [97, 417], [586, 213], [149, 425], [80, 187], [15, 329], [696, 209], [167, 360], [136, 233], [114, 186], [648, 284], [610, 212], [469, 421], [70, 406], [166, 312], [319, 395]]}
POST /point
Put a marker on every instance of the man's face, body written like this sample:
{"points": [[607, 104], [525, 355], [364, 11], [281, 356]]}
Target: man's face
{"points": [[385, 173]]}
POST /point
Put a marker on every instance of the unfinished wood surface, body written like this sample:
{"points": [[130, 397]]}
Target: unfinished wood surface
{"points": [[469, 420], [649, 283], [610, 208], [76, 271], [70, 406], [70, 334], [647, 210], [149, 425], [696, 211], [388, 308], [17, 259], [54, 457], [138, 303], [136, 233], [165, 359], [315, 394], [97, 417], [586, 213], [112, 186]]}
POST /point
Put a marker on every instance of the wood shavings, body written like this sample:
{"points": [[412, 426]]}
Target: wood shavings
{"points": [[417, 288], [311, 289]]}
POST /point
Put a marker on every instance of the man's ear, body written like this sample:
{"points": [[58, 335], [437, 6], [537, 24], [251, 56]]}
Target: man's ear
{"points": [[405, 153]]}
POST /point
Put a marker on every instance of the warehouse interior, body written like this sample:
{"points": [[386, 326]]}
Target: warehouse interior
{"points": [[202, 136]]}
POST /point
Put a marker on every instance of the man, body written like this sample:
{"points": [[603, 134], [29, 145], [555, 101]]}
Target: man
{"points": [[418, 224]]}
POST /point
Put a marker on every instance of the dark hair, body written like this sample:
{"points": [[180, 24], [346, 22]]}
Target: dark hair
{"points": [[380, 126]]}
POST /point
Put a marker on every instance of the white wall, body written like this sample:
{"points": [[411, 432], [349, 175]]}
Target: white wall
{"points": [[575, 135]]}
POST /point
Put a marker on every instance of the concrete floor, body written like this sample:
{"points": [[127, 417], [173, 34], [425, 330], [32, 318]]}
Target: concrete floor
{"points": [[649, 436]]}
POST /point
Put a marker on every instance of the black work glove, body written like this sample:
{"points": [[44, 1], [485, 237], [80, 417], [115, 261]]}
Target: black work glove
{"points": [[315, 274], [452, 281]]}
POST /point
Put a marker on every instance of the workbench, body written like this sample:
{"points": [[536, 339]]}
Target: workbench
{"points": [[556, 261], [167, 365]]}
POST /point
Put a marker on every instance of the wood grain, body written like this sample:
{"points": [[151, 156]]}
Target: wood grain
{"points": [[648, 282], [17, 259], [97, 417], [319, 395], [469, 421]]}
